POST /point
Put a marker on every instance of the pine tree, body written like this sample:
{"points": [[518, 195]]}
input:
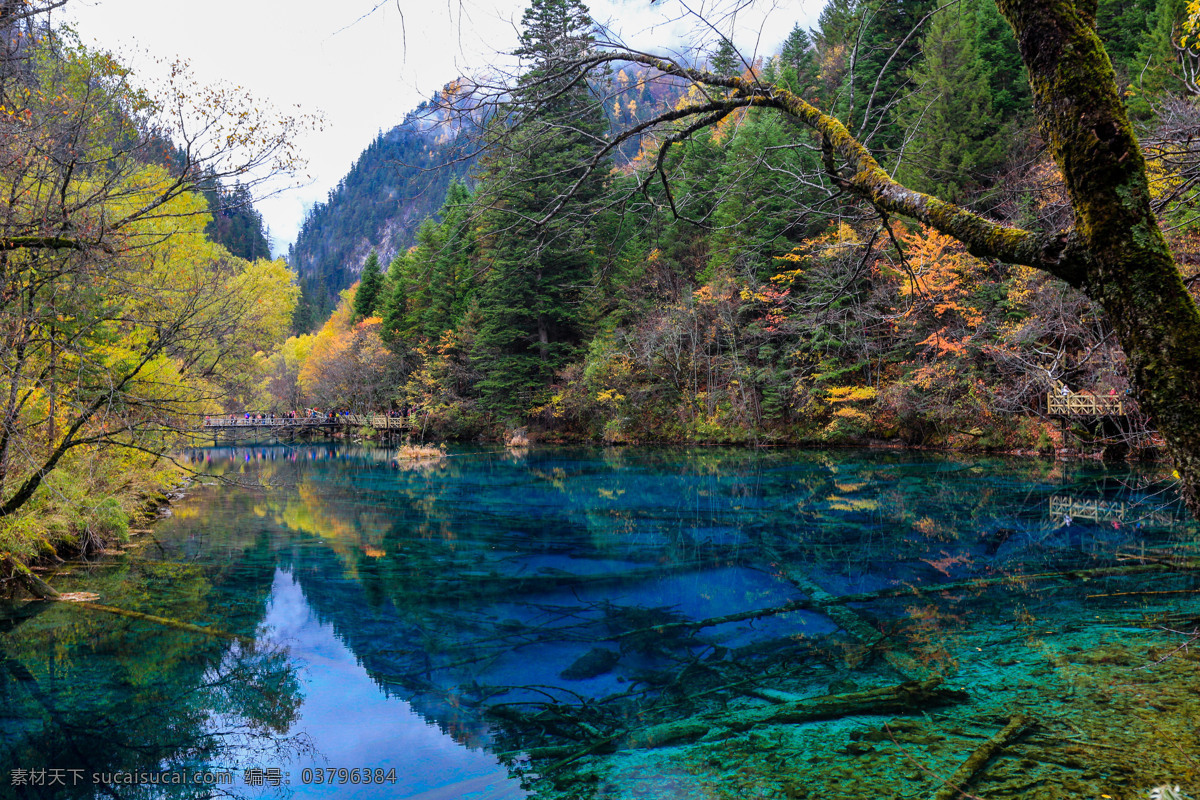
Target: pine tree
{"points": [[795, 47], [449, 275], [1123, 25], [836, 25], [882, 66], [1159, 71], [996, 51], [368, 288], [760, 214], [798, 62], [393, 306], [958, 136], [725, 61], [532, 299]]}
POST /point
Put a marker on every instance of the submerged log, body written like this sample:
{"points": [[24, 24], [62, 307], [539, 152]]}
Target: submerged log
{"points": [[955, 785], [849, 621], [44, 591], [603, 745], [741, 616], [909, 696], [669, 733], [163, 621]]}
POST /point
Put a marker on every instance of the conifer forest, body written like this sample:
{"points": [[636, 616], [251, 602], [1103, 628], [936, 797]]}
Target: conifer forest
{"points": [[880, 234], [694, 420]]}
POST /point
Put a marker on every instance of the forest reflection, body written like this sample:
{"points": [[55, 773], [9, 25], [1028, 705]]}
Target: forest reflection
{"points": [[97, 705], [578, 611], [540, 602]]}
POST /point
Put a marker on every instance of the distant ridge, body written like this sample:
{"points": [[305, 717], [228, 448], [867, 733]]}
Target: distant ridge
{"points": [[399, 181]]}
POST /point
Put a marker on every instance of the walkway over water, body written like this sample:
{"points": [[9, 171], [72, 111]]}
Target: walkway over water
{"points": [[378, 422]]}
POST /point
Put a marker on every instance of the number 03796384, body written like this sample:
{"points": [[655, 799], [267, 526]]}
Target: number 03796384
{"points": [[341, 775]]}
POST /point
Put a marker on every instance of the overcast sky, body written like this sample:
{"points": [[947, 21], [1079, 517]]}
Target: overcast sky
{"points": [[363, 64]]}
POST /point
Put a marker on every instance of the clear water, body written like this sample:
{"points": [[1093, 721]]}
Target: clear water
{"points": [[514, 624]]}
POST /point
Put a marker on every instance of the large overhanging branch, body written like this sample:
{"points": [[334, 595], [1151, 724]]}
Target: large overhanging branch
{"points": [[11, 243], [1061, 254]]}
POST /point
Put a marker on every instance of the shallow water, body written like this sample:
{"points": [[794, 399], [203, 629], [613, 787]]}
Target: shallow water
{"points": [[580, 623]]}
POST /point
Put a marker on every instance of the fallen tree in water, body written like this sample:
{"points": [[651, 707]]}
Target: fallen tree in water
{"points": [[30, 582], [908, 696], [976, 762]]}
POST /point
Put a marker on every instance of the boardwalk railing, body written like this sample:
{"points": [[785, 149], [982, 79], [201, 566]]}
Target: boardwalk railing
{"points": [[1062, 506], [379, 422], [1082, 404], [278, 422]]}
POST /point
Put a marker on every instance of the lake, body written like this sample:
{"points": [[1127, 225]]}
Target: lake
{"points": [[323, 621]]}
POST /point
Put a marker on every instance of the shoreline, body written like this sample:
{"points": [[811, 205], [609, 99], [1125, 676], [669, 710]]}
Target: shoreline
{"points": [[24, 576]]}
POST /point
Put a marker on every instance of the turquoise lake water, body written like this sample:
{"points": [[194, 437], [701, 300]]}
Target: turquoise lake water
{"points": [[327, 622]]}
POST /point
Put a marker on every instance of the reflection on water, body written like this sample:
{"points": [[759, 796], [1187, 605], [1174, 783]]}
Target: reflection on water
{"points": [[94, 703], [360, 726], [626, 623]]}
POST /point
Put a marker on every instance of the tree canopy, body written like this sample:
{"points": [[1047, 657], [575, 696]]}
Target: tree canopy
{"points": [[123, 322]]}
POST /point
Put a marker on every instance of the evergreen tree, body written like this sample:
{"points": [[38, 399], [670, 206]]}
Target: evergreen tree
{"points": [[531, 301], [884, 59], [795, 47], [368, 288], [235, 223], [836, 25], [1158, 67], [449, 275], [1123, 25], [725, 61], [394, 301], [958, 138], [696, 168], [798, 63], [1000, 63], [759, 216]]}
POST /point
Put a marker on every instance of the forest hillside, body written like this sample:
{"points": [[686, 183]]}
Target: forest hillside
{"points": [[740, 295]]}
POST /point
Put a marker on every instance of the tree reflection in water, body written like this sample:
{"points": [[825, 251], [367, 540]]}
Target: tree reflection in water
{"points": [[651, 623], [97, 706]]}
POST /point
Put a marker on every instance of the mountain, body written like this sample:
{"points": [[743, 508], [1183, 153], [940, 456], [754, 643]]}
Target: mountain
{"points": [[400, 180], [397, 182]]}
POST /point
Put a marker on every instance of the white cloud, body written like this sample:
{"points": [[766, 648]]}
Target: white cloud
{"points": [[363, 64]]}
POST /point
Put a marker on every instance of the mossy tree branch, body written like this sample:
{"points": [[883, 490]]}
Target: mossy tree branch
{"points": [[1059, 253], [1116, 252]]}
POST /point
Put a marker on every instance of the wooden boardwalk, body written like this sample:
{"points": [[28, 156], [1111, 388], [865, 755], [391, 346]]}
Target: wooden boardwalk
{"points": [[378, 422], [1084, 404]]}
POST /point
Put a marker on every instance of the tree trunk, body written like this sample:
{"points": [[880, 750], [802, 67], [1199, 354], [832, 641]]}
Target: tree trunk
{"points": [[543, 330], [1131, 272]]}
